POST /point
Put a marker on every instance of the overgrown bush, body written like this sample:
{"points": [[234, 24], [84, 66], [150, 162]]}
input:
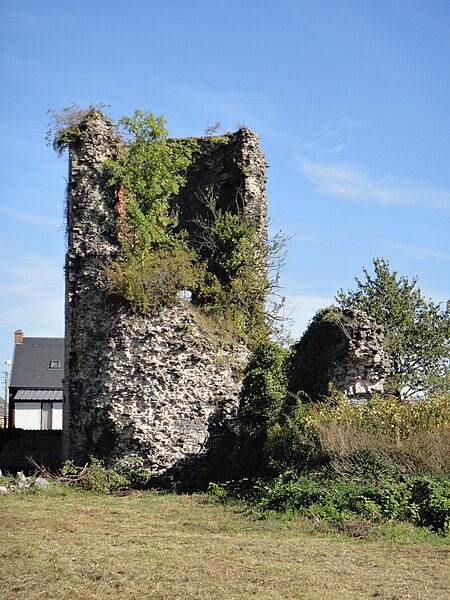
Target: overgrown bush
{"points": [[383, 459], [429, 502], [235, 281], [64, 127], [93, 476], [149, 169], [263, 396], [153, 281], [293, 441], [264, 388], [412, 437], [423, 501], [384, 434]]}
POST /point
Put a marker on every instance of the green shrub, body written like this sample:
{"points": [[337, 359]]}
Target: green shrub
{"points": [[94, 477], [264, 387], [286, 494], [263, 396], [429, 503], [422, 501], [154, 280], [148, 169], [385, 436], [235, 261], [293, 442]]}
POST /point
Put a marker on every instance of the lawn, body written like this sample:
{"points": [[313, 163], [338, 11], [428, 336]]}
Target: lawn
{"points": [[151, 545]]}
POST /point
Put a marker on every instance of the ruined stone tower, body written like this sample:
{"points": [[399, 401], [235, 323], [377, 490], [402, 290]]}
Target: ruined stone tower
{"points": [[159, 390]]}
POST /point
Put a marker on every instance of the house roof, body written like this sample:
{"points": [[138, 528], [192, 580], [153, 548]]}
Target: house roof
{"points": [[38, 395], [31, 364]]}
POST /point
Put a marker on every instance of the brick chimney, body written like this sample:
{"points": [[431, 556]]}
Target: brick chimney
{"points": [[18, 336]]}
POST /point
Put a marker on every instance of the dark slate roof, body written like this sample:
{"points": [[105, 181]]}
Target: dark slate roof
{"points": [[38, 395], [31, 364]]}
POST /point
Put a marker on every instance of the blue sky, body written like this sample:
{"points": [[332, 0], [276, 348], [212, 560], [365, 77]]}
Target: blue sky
{"points": [[350, 99]]}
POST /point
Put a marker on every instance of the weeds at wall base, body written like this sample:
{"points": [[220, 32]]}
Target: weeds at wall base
{"points": [[420, 501]]}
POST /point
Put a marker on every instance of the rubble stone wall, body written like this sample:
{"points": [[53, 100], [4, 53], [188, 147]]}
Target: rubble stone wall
{"points": [[159, 390], [344, 348]]}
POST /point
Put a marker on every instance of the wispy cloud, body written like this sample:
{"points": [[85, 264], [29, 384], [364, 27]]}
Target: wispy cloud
{"points": [[337, 148], [437, 28], [332, 140], [321, 147], [343, 126], [347, 181], [415, 252], [32, 295], [31, 218]]}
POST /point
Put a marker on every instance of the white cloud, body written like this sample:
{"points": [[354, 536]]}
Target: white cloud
{"points": [[333, 140], [343, 126], [347, 181], [336, 149]]}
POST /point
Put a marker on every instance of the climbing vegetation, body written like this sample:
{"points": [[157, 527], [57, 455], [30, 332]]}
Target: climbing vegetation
{"points": [[224, 261], [153, 280], [384, 459], [222, 264], [149, 169], [157, 262], [64, 127], [234, 282]]}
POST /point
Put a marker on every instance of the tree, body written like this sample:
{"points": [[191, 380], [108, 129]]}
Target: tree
{"points": [[149, 169], [264, 387], [262, 399], [417, 331]]}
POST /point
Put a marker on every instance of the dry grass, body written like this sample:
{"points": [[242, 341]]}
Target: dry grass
{"points": [[421, 451], [164, 546]]}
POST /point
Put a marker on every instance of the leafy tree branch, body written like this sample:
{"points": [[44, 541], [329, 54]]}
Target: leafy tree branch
{"points": [[417, 331]]}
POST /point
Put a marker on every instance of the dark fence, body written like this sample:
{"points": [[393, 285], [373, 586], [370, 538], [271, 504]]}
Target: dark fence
{"points": [[18, 445]]}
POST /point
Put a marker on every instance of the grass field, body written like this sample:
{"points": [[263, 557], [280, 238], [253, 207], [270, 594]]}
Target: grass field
{"points": [[151, 545]]}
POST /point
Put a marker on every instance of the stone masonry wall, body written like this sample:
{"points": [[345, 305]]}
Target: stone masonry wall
{"points": [[234, 167], [159, 390], [344, 349]]}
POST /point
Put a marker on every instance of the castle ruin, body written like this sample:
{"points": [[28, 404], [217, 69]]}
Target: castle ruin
{"points": [[158, 390]]}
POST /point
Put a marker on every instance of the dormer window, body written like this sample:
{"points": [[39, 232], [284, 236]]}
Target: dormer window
{"points": [[55, 364]]}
